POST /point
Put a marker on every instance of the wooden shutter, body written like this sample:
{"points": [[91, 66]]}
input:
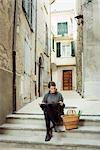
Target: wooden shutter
{"points": [[30, 11], [46, 39], [33, 14], [73, 48], [27, 71], [53, 43], [25, 4], [27, 58], [58, 51]]}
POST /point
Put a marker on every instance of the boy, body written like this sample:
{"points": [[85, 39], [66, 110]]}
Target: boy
{"points": [[53, 108]]}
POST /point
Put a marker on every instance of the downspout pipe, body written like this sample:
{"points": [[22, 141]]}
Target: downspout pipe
{"points": [[35, 35], [35, 47], [14, 55], [51, 2]]}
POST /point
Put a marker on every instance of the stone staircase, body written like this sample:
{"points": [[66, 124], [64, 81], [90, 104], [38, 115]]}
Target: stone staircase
{"points": [[27, 132]]}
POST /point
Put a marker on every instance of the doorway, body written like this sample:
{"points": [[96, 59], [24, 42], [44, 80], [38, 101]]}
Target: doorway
{"points": [[67, 79], [40, 77]]}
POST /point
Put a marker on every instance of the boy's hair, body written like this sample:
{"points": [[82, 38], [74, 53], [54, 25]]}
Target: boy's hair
{"points": [[51, 83]]}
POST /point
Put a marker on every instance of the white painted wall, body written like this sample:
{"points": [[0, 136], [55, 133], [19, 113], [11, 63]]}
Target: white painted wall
{"points": [[65, 62], [64, 16]]}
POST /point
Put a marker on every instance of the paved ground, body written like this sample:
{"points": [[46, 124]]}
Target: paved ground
{"points": [[71, 98]]}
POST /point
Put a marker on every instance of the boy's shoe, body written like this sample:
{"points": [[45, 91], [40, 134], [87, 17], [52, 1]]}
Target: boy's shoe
{"points": [[48, 137]]}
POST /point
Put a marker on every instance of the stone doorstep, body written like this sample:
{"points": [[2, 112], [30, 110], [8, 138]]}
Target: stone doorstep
{"points": [[71, 142]]}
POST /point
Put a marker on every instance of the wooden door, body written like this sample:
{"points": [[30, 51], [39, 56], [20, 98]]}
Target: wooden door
{"points": [[67, 80]]}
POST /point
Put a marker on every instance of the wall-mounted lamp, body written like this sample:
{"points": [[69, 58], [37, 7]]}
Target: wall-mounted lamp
{"points": [[79, 19]]}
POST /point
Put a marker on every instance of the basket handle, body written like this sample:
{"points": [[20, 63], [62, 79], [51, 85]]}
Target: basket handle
{"points": [[71, 112]]}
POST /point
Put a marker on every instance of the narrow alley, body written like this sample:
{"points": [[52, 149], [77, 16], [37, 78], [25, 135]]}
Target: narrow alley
{"points": [[42, 42]]}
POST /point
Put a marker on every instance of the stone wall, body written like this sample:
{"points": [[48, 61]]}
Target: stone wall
{"points": [[90, 53], [43, 19], [6, 26], [91, 45], [24, 37]]}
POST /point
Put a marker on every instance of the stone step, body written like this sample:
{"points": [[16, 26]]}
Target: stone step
{"points": [[89, 121], [39, 119], [10, 148], [56, 143], [25, 119], [85, 132]]}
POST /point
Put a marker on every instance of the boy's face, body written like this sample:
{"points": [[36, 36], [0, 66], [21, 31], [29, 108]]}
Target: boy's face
{"points": [[52, 89]]}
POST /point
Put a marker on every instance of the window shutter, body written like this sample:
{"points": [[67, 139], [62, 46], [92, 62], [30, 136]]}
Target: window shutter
{"points": [[33, 14], [27, 57], [53, 43], [27, 7], [58, 52], [27, 68], [65, 27], [25, 4], [73, 49], [29, 11], [46, 39]]}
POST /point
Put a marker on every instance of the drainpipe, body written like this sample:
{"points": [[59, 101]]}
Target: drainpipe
{"points": [[82, 65], [51, 2], [35, 46], [14, 55], [50, 47]]}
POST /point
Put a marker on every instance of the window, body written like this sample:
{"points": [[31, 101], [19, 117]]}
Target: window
{"points": [[58, 49], [46, 39], [66, 50], [73, 49], [62, 28], [29, 10]]}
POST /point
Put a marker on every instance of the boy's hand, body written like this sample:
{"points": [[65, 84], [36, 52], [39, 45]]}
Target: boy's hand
{"points": [[61, 103], [42, 103]]}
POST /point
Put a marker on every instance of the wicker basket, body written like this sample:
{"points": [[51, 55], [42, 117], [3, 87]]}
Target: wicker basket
{"points": [[71, 121]]}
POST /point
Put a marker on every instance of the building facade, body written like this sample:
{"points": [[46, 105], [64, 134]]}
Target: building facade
{"points": [[24, 52], [88, 48], [63, 62]]}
